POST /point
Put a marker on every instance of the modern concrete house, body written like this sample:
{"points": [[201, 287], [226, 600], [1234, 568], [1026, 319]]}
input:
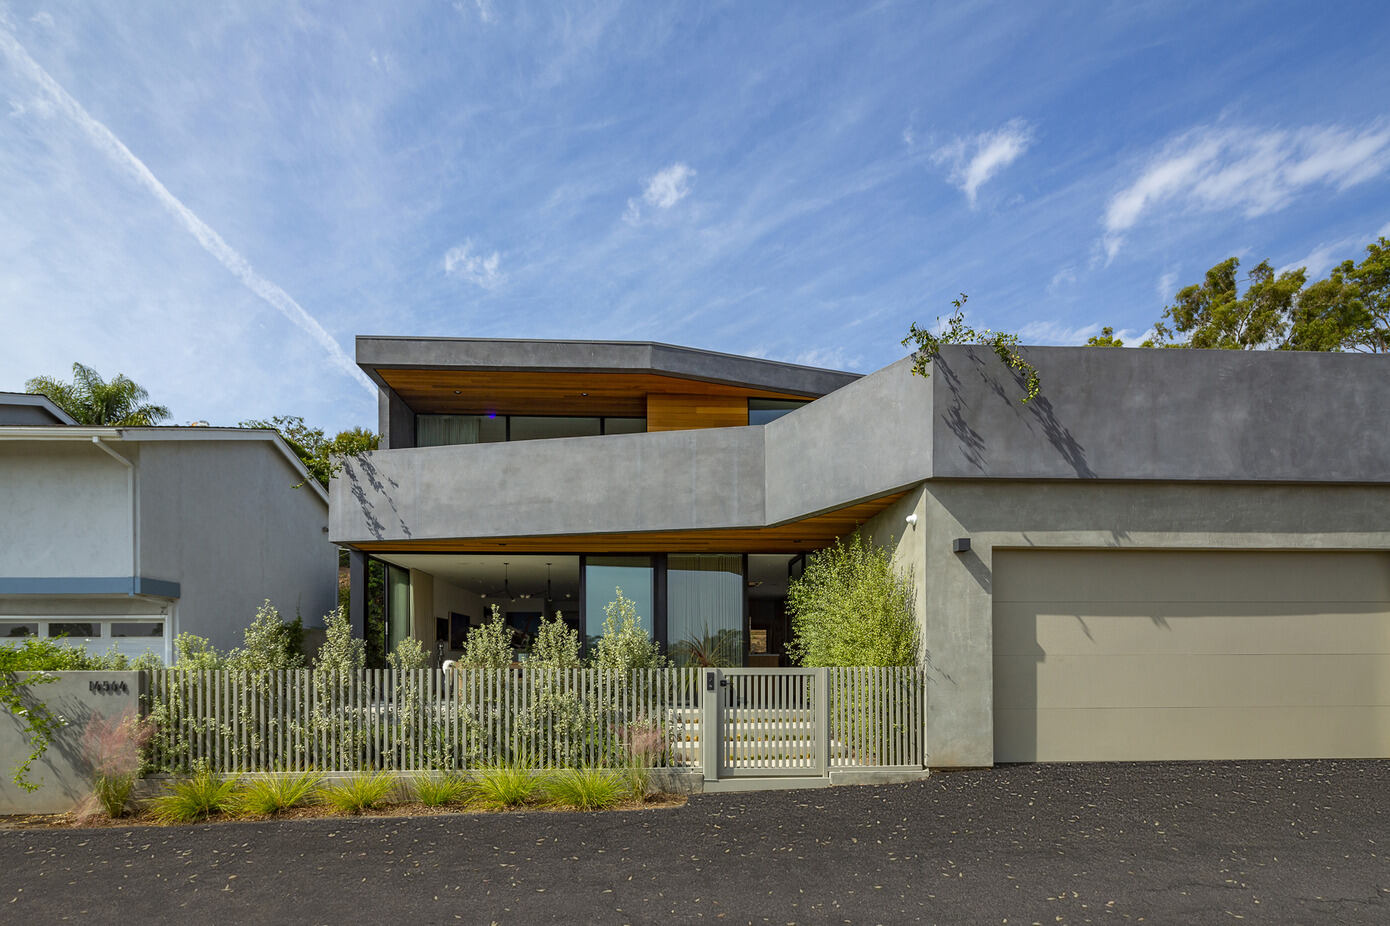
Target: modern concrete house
{"points": [[125, 537], [1168, 554]]}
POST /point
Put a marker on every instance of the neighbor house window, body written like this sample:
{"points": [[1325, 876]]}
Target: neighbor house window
{"points": [[762, 411]]}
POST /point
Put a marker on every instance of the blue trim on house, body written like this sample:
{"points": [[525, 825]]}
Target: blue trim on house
{"points": [[88, 585]]}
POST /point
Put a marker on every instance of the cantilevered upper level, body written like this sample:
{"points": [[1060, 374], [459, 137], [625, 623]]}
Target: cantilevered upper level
{"points": [[476, 390]]}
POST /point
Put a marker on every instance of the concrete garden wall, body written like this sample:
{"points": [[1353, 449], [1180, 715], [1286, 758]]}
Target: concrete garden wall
{"points": [[62, 772]]}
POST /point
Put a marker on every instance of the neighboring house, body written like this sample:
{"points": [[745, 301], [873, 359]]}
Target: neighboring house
{"points": [[126, 537], [1168, 554]]}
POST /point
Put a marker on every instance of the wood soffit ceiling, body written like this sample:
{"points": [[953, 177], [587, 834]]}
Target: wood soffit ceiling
{"points": [[794, 537], [478, 392]]}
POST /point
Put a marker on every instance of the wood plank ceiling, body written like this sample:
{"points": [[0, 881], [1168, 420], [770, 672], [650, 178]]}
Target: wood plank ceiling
{"points": [[530, 392], [794, 537]]}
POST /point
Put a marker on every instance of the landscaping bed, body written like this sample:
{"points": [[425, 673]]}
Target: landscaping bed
{"points": [[140, 817]]}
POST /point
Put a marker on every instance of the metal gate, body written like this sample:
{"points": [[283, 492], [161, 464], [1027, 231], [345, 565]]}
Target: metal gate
{"points": [[766, 722]]}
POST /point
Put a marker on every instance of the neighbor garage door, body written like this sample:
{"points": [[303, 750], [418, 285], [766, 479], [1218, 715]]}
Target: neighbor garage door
{"points": [[1119, 655]]}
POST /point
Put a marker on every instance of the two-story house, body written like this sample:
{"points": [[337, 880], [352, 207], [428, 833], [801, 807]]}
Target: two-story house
{"points": [[1167, 554]]}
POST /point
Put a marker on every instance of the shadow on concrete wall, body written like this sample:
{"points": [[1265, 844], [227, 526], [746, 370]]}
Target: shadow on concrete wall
{"points": [[370, 478]]}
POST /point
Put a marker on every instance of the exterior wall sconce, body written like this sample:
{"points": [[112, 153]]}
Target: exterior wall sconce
{"points": [[960, 545], [911, 520]]}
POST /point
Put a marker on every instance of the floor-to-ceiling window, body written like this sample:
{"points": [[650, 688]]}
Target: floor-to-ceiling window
{"points": [[604, 576], [704, 609], [398, 617]]}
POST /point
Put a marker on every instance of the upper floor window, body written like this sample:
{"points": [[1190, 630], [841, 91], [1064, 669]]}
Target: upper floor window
{"points": [[761, 411], [442, 430]]}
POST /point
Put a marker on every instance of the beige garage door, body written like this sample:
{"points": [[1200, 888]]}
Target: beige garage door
{"points": [[1135, 655]]}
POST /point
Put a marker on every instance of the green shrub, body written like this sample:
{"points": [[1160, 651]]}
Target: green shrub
{"points": [[439, 791], [341, 654], [265, 797], [195, 798], [624, 645], [270, 643], [586, 788], [852, 608], [359, 792], [488, 646], [408, 656], [498, 787], [556, 646]]}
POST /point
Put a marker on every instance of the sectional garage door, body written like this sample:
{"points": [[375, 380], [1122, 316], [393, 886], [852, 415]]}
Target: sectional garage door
{"points": [[1139, 655]]}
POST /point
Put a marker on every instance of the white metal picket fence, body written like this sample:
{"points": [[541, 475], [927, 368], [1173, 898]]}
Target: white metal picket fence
{"points": [[763, 721]]}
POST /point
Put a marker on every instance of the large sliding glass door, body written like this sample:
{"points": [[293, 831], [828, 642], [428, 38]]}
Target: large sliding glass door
{"points": [[604, 576], [704, 609]]}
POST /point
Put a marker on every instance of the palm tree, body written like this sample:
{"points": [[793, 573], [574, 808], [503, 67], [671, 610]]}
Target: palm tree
{"points": [[91, 400]]}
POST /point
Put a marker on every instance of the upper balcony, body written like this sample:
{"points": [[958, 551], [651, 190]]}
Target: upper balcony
{"points": [[436, 391]]}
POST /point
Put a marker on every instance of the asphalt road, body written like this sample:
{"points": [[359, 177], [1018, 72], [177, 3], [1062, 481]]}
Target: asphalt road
{"points": [[1276, 842]]}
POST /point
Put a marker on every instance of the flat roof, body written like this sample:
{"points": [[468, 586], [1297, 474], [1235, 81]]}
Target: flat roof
{"points": [[387, 352]]}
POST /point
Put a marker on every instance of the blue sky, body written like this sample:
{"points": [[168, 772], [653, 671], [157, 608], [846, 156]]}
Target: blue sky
{"points": [[216, 198]]}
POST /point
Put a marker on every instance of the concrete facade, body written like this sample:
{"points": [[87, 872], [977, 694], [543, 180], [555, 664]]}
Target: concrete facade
{"points": [[200, 528], [1124, 449]]}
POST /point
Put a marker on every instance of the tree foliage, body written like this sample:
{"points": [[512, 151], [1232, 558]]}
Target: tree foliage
{"points": [[320, 454], [91, 400], [1216, 314], [1106, 338], [852, 608], [927, 345], [1349, 310]]}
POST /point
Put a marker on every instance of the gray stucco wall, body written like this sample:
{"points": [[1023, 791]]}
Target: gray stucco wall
{"points": [[224, 520], [63, 772], [1119, 413], [872, 437], [707, 478], [64, 510]]}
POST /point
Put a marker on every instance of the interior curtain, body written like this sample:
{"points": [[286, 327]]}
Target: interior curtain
{"points": [[441, 430], [704, 608]]}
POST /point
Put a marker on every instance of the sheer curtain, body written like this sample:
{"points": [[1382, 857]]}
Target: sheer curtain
{"points": [[704, 608], [441, 430]]}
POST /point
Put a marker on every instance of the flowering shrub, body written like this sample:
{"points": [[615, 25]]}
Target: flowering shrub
{"points": [[112, 748]]}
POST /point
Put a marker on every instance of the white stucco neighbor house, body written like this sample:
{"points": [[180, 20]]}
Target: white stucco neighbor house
{"points": [[126, 537]]}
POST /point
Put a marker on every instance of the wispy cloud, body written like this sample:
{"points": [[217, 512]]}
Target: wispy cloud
{"points": [[479, 269], [664, 189], [1167, 286], [485, 10], [974, 161], [1252, 171], [1065, 278], [213, 243], [1061, 333]]}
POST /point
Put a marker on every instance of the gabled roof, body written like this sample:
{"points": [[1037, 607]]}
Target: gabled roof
{"points": [[27, 407]]}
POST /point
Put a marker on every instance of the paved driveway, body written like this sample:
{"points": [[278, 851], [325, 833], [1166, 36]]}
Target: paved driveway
{"points": [[1210, 843]]}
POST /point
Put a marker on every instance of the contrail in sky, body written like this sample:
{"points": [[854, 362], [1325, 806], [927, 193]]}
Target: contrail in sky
{"points": [[211, 241]]}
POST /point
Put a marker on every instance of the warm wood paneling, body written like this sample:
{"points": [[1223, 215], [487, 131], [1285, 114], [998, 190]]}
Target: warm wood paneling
{"points": [[528, 392], [795, 537], [685, 412]]}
